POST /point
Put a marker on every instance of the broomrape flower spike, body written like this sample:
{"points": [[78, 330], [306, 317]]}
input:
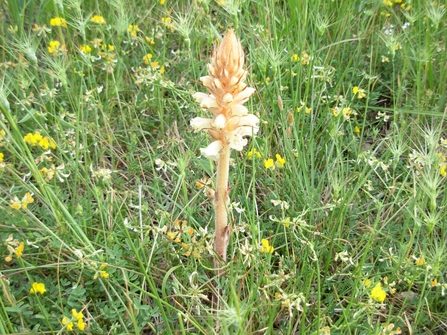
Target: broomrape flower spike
{"points": [[229, 127]]}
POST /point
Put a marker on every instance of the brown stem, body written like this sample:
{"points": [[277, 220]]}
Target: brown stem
{"points": [[221, 199]]}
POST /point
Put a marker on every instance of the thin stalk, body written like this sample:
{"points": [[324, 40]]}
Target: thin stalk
{"points": [[221, 199]]}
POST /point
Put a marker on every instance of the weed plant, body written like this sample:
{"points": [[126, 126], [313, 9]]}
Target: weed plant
{"points": [[337, 205]]}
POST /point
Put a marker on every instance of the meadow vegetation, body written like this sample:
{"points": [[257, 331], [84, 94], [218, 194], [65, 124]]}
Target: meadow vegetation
{"points": [[337, 204]]}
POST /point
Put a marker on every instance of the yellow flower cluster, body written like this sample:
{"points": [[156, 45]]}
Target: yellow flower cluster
{"points": [[359, 91], [378, 293], [26, 200], [56, 48], [182, 230], [346, 112], [254, 153], [37, 288], [266, 248], [102, 272], [147, 59], [167, 22], [37, 139], [58, 22], [85, 49], [271, 164], [98, 19], [391, 3], [133, 30], [305, 58], [77, 317], [14, 248], [107, 51]]}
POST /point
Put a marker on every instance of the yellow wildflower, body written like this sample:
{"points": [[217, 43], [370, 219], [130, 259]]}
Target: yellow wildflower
{"points": [[133, 30], [19, 250], [295, 58], [162, 2], [53, 45], [32, 139], [77, 315], [58, 22], [81, 324], [1, 156], [378, 293], [173, 236], [253, 153], [280, 161], [420, 261], [442, 170], [434, 282], [85, 49], [147, 58], [357, 130], [56, 48], [266, 248], [15, 204], [205, 181], [305, 58], [360, 91], [37, 288], [47, 142], [104, 274], [98, 19], [367, 282], [269, 164], [166, 22], [308, 110], [347, 112], [27, 199], [67, 322], [154, 65]]}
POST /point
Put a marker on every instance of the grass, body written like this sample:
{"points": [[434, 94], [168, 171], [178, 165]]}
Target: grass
{"points": [[104, 192]]}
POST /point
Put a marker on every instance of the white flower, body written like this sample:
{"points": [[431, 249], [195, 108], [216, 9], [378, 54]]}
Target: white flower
{"points": [[201, 123], [206, 100], [243, 96], [249, 120], [227, 98], [239, 110], [220, 121], [199, 96], [237, 142], [207, 81], [213, 150]]}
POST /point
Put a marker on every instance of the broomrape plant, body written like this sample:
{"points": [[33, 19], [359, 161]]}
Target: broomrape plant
{"points": [[229, 127]]}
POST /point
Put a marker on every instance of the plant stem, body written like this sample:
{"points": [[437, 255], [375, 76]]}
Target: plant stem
{"points": [[222, 232]]}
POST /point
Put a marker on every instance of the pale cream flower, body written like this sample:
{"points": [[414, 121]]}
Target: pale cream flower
{"points": [[227, 94], [201, 123], [212, 151]]}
